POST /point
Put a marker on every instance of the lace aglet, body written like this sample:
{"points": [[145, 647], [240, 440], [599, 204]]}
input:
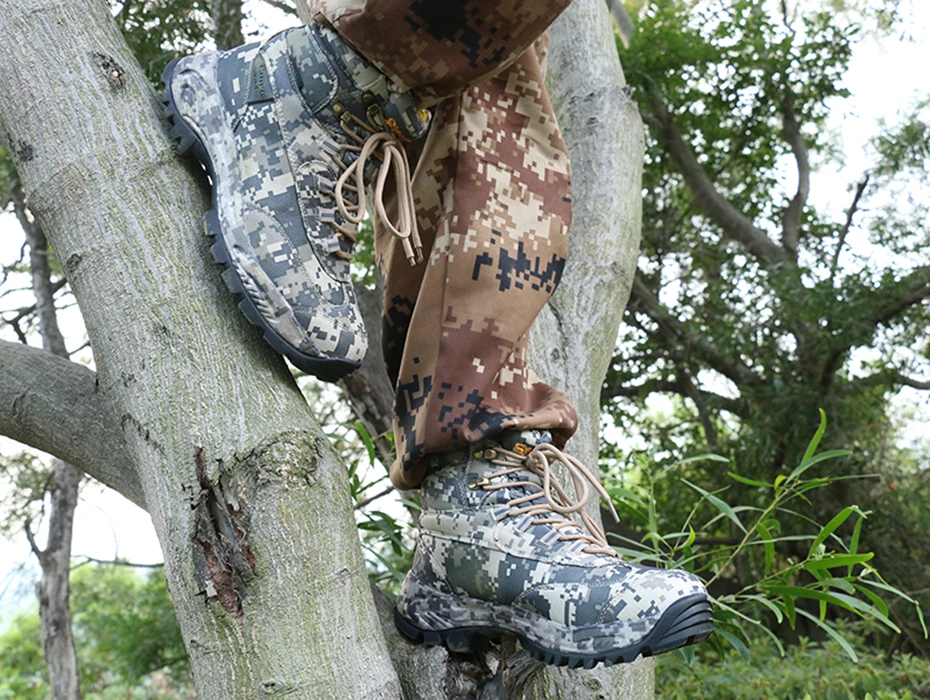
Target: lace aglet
{"points": [[419, 254], [613, 512]]}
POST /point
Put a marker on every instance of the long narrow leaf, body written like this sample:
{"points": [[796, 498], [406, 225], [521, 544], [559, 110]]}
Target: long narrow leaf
{"points": [[818, 436], [735, 642], [706, 457], [832, 561], [831, 526], [718, 504], [749, 482], [834, 634], [854, 542]]}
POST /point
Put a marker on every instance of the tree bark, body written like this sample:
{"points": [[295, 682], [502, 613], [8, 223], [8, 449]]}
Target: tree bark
{"points": [[268, 582], [248, 500], [53, 589], [57, 406], [367, 388], [574, 338]]}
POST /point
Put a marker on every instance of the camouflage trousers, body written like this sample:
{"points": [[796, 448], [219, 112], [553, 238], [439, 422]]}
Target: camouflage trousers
{"points": [[493, 195]]}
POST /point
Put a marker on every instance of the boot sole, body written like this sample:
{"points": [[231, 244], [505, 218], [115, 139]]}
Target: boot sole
{"points": [[189, 145], [687, 621]]}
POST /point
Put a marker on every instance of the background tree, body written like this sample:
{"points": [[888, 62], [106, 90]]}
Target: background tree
{"points": [[752, 308]]}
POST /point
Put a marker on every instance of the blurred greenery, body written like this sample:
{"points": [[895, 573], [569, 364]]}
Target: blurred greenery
{"points": [[755, 305], [809, 670], [127, 639]]}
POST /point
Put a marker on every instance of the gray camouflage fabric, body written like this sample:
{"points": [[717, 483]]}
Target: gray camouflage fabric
{"points": [[477, 565], [270, 118]]}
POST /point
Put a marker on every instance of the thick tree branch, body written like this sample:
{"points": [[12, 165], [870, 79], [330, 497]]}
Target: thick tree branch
{"points": [[893, 378], [915, 288], [227, 23], [712, 399], [715, 206], [622, 20], [736, 370], [54, 405], [367, 388], [792, 216]]}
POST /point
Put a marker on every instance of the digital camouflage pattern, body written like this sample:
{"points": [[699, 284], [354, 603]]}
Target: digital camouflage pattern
{"points": [[493, 194], [492, 188], [480, 565], [439, 49], [267, 120]]}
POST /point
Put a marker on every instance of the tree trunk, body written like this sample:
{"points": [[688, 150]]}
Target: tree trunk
{"points": [[53, 590], [252, 511], [249, 502], [574, 337]]}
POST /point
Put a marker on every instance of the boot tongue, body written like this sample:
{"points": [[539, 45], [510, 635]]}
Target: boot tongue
{"points": [[402, 116], [523, 441]]}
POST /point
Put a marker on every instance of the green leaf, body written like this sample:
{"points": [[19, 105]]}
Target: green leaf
{"points": [[842, 584], [749, 482], [771, 605], [706, 457], [822, 457], [618, 493], [802, 592], [854, 542], [818, 436], [735, 642], [718, 504], [831, 526], [366, 438], [873, 596], [833, 560], [834, 634]]}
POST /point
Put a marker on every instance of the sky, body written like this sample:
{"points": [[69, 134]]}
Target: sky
{"points": [[886, 77]]}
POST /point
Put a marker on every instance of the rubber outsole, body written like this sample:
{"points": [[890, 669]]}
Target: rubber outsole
{"points": [[189, 145], [687, 621]]}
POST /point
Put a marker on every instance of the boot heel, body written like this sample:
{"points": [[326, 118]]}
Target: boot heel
{"points": [[461, 641]]}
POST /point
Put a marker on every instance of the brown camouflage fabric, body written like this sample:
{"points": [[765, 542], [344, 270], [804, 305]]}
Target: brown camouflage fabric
{"points": [[493, 194], [439, 47]]}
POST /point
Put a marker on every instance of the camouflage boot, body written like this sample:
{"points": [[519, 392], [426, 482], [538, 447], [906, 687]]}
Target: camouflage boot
{"points": [[499, 552], [291, 132]]}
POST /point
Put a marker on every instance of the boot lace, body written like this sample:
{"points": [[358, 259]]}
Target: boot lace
{"points": [[558, 508], [389, 150]]}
